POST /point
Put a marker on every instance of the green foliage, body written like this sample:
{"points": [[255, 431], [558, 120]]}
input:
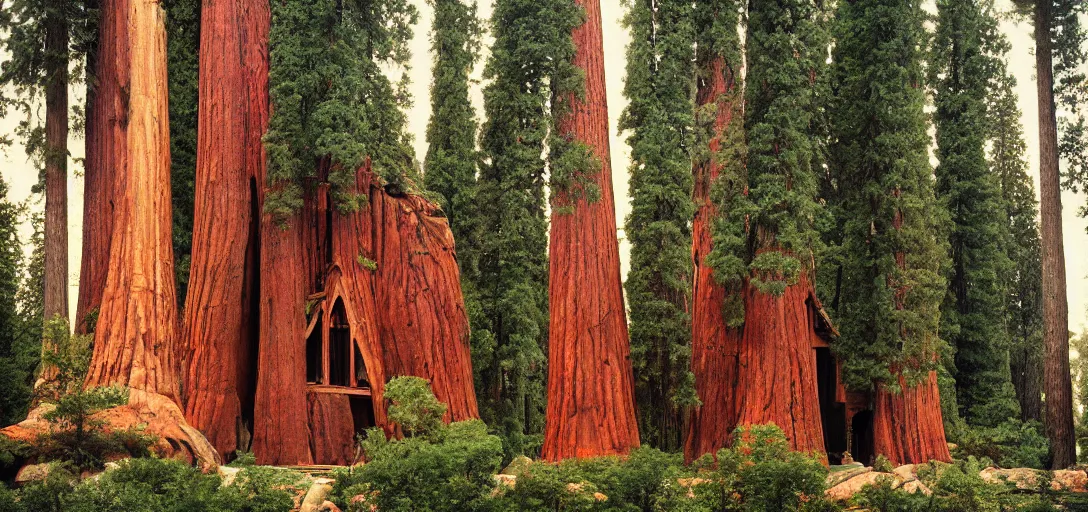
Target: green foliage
{"points": [[182, 55], [413, 406], [74, 434], [154, 485], [882, 196], [786, 54], [1023, 283], [333, 108], [963, 65], [452, 469], [366, 263], [883, 497], [505, 263], [1011, 444], [660, 118], [450, 165], [21, 296], [767, 476]]}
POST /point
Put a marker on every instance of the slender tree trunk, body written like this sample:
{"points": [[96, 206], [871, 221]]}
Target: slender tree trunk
{"points": [[217, 328], [591, 409], [55, 299], [714, 344], [1057, 383], [106, 153]]}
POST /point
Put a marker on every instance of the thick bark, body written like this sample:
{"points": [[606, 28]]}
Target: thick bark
{"points": [[281, 431], [907, 426], [590, 382], [218, 329], [714, 344], [1057, 385], [776, 381], [106, 154], [407, 315], [135, 338], [333, 437]]}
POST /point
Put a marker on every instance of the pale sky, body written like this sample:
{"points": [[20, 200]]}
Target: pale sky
{"points": [[20, 175]]}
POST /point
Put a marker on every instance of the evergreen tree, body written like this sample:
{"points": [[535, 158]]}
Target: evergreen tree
{"points": [[972, 313], [660, 115], [182, 53], [333, 108], [891, 252], [507, 266], [1023, 283], [450, 166], [20, 328]]}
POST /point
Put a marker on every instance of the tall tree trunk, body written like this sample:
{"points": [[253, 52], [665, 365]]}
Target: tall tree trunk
{"points": [[135, 337], [106, 153], [776, 381], [591, 409], [281, 432], [714, 344], [55, 300], [907, 425], [1057, 383], [233, 114]]}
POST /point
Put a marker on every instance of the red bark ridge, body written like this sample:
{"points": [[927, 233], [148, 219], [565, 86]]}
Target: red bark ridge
{"points": [[591, 409], [217, 327], [106, 153], [907, 426], [714, 345], [777, 366]]}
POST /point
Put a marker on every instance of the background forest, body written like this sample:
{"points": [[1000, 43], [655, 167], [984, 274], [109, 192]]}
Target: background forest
{"points": [[905, 199]]}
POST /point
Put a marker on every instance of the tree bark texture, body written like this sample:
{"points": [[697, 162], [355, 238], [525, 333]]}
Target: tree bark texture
{"points": [[776, 377], [218, 330], [281, 433], [407, 316], [1057, 383], [907, 426], [106, 153], [333, 437], [56, 168], [714, 345], [591, 410]]}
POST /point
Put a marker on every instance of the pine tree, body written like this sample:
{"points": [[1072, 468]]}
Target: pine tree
{"points": [[1023, 284], [450, 166], [972, 318], [507, 266], [182, 53], [892, 251], [15, 379], [660, 116]]}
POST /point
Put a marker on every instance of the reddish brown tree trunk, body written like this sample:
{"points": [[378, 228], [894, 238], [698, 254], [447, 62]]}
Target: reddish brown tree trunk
{"points": [[407, 315], [714, 344], [106, 153], [777, 366], [1057, 383], [56, 168], [333, 437], [135, 338], [591, 408], [218, 328], [281, 433], [907, 426]]}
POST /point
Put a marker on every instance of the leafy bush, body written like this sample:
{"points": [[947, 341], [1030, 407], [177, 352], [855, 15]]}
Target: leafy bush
{"points": [[1011, 444], [413, 407], [883, 497]]}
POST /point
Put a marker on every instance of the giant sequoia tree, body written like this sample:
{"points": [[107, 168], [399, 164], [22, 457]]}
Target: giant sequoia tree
{"points": [[590, 385], [891, 251], [718, 195], [660, 116], [506, 268], [972, 313], [764, 245]]}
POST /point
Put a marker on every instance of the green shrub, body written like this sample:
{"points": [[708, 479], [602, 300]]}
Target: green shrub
{"points": [[882, 497], [768, 476], [1011, 444], [413, 407]]}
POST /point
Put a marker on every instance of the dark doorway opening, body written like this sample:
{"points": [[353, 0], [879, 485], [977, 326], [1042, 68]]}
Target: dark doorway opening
{"points": [[861, 428], [362, 413], [314, 354], [832, 412], [339, 347]]}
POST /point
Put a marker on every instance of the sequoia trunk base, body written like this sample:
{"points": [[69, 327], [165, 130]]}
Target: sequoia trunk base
{"points": [[907, 426]]}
